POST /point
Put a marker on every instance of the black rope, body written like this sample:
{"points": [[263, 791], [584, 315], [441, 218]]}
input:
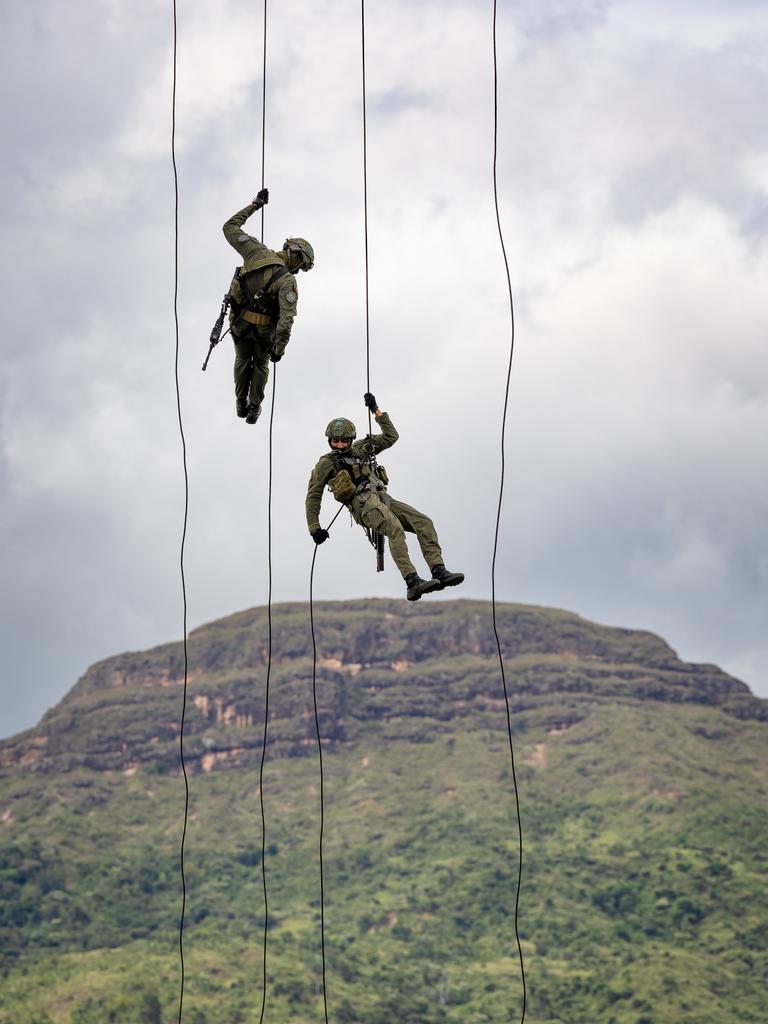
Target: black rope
{"points": [[365, 219], [314, 554], [186, 510], [263, 112], [266, 702], [498, 513], [320, 758], [269, 566]]}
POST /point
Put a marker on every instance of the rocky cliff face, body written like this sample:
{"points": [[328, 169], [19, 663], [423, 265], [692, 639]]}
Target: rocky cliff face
{"points": [[381, 664]]}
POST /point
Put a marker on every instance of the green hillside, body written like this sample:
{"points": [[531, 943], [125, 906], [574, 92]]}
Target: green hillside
{"points": [[643, 792]]}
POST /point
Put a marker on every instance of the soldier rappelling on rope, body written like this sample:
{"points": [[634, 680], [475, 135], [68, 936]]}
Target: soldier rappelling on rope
{"points": [[262, 301], [356, 480]]}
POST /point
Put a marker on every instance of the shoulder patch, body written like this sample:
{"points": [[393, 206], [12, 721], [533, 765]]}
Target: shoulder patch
{"points": [[243, 238], [290, 296]]}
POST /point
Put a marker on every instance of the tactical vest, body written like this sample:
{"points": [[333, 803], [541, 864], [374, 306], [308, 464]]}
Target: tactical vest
{"points": [[355, 474], [259, 307]]}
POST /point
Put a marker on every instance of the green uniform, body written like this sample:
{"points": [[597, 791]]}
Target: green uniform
{"points": [[372, 506], [253, 341]]}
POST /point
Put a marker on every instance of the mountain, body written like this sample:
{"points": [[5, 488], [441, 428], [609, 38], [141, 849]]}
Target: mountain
{"points": [[642, 784]]}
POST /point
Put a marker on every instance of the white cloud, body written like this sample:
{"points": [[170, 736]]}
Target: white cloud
{"points": [[635, 489], [755, 171]]}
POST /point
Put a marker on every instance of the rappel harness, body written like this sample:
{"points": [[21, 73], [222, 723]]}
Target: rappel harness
{"points": [[355, 475], [257, 308]]}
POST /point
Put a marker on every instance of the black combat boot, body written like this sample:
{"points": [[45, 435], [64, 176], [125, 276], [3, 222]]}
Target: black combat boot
{"points": [[417, 586], [241, 407], [252, 413], [445, 578]]}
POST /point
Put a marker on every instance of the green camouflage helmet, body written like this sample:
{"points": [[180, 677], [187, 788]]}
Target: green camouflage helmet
{"points": [[305, 250], [341, 429]]}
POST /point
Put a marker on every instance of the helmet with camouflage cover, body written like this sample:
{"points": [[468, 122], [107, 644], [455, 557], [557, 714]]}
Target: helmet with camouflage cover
{"points": [[341, 429], [303, 249]]}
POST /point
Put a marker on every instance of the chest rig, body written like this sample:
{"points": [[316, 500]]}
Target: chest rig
{"points": [[355, 474], [260, 307]]}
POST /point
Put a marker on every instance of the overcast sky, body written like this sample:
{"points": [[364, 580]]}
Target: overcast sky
{"points": [[633, 174]]}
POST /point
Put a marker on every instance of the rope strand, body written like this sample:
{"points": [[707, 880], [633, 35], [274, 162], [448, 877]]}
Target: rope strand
{"points": [[263, 111], [320, 758], [266, 704], [322, 781], [498, 514], [365, 219], [269, 572], [186, 509]]}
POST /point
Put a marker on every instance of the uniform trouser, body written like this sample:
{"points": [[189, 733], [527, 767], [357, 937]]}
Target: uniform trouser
{"points": [[252, 362], [394, 519]]}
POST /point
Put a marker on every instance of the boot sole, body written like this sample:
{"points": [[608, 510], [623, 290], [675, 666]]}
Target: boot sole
{"points": [[452, 583], [425, 590]]}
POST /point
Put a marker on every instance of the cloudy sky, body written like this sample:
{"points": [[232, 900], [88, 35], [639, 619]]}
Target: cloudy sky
{"points": [[634, 190]]}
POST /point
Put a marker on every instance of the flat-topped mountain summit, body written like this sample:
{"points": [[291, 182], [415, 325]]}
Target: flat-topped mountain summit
{"points": [[379, 662]]}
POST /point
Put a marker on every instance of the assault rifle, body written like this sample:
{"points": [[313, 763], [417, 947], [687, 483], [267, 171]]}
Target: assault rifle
{"points": [[376, 539], [217, 328]]}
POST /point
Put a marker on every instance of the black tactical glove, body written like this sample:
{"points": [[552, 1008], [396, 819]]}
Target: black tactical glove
{"points": [[274, 355], [370, 401], [319, 535], [261, 198]]}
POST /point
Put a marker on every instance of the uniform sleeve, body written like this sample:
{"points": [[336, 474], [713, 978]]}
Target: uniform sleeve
{"points": [[388, 434], [319, 477], [245, 244], [288, 298]]}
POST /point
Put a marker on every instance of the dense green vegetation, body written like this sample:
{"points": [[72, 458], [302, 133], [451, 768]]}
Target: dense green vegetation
{"points": [[642, 784]]}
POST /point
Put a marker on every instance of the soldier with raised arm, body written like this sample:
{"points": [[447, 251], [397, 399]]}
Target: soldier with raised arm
{"points": [[360, 484], [263, 299]]}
